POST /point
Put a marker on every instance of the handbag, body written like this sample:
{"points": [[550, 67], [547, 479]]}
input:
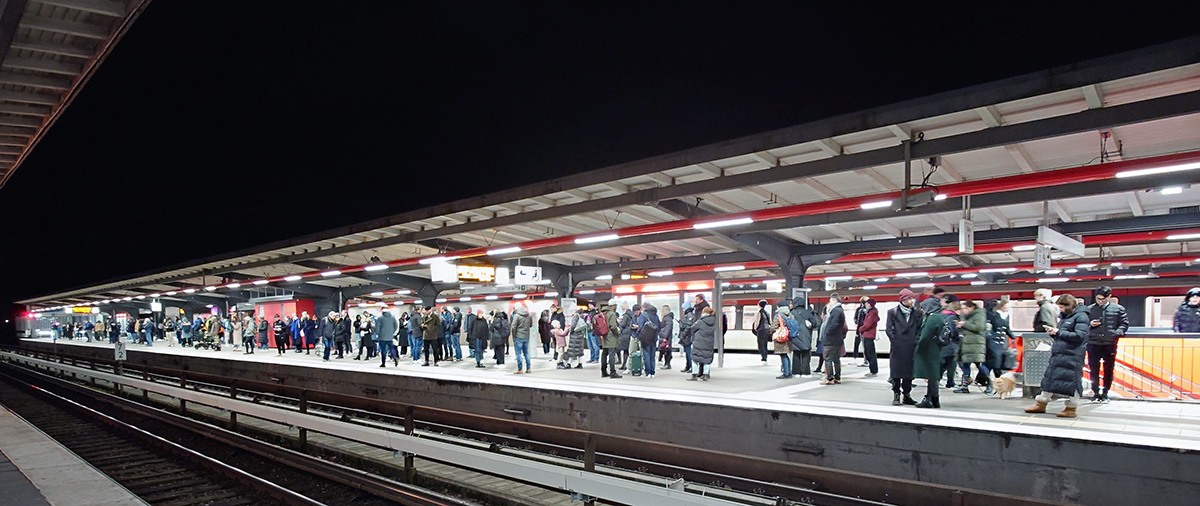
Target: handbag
{"points": [[781, 333]]}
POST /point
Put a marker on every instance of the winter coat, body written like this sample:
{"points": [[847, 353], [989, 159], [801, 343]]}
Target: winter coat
{"points": [[972, 341], [931, 305], [666, 331], [263, 327], [870, 323], [685, 327], [951, 350], [786, 346], [521, 323], [576, 337], [649, 315], [309, 327], [480, 330], [626, 329], [385, 327], [343, 330], [414, 325], [1064, 375], [902, 333], [1114, 322], [1187, 318], [185, 329], [761, 325], [927, 358], [247, 330], [297, 326], [560, 338], [280, 330], [613, 339], [806, 323], [544, 332], [431, 327], [498, 331], [562, 319], [214, 328], [1045, 317], [834, 328], [999, 325], [704, 339]]}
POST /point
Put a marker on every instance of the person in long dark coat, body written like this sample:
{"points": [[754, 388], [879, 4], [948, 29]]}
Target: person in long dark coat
{"points": [[1064, 374], [802, 341], [903, 325], [927, 360], [704, 341]]}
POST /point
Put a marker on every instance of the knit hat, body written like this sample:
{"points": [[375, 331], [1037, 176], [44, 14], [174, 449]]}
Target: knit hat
{"points": [[762, 303], [906, 294], [871, 301], [783, 310]]}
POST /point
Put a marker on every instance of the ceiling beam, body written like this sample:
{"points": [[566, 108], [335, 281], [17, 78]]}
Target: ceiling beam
{"points": [[1061, 211], [829, 147], [877, 178], [48, 66], [996, 216], [990, 116], [888, 228], [941, 223], [765, 158], [1093, 96], [1022, 157], [84, 30], [32, 81], [53, 48], [839, 231], [103, 7], [710, 169], [901, 131], [820, 188], [1135, 204]]}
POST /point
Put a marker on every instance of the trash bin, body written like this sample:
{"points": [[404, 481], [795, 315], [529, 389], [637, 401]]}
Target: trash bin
{"points": [[1035, 359]]}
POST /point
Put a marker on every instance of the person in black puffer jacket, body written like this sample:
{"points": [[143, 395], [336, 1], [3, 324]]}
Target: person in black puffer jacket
{"points": [[1064, 375], [1187, 317], [1108, 322]]}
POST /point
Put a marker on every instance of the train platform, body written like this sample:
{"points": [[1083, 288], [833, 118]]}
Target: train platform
{"points": [[744, 383], [37, 471]]}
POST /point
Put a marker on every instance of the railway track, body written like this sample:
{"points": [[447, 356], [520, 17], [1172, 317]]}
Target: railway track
{"points": [[165, 465]]}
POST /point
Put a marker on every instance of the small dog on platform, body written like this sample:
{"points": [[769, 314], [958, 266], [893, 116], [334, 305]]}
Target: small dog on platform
{"points": [[1005, 385]]}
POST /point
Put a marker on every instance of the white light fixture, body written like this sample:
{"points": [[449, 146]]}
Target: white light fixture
{"points": [[970, 275], [997, 269], [439, 300], [1085, 266], [921, 285], [625, 276], [880, 280], [724, 284], [604, 277], [729, 268], [870, 287], [723, 223], [1183, 237], [838, 278], [978, 283], [233, 286], [940, 196], [518, 296], [876, 205], [551, 294], [432, 260], [1025, 247], [377, 294], [362, 304], [210, 306], [210, 288], [1052, 271], [1172, 190], [1115, 264], [155, 295], [586, 292], [659, 274], [261, 282], [504, 251], [596, 238], [919, 254], [190, 290], [330, 274], [1159, 170], [1053, 280], [403, 292], [464, 299], [491, 297], [1131, 276], [1071, 271], [293, 277], [376, 267], [139, 297], [912, 275]]}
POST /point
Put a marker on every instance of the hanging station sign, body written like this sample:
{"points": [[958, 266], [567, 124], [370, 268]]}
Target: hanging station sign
{"points": [[476, 273]]}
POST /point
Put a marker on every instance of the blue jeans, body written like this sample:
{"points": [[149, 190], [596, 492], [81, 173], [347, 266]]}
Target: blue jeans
{"points": [[593, 343], [687, 355], [456, 345], [522, 347], [149, 338], [786, 368], [328, 346], [480, 347], [385, 347], [648, 358], [416, 345]]}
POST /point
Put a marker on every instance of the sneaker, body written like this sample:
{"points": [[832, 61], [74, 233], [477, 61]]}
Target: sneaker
{"points": [[864, 364], [782, 377], [518, 371], [870, 375], [826, 382], [962, 390], [579, 366], [1104, 397], [1096, 397], [837, 381], [693, 378]]}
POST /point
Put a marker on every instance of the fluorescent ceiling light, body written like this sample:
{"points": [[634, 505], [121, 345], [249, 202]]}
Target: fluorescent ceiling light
{"points": [[261, 282], [1172, 190], [1131, 276], [1053, 280], [293, 277], [625, 276], [838, 278], [1071, 271], [403, 292], [919, 254], [978, 283], [504, 251], [432, 260], [659, 274], [998, 269], [362, 304], [210, 306], [1183, 237], [126, 299], [233, 286], [880, 280], [912, 275], [604, 277], [330, 274], [551, 294], [1115, 264], [1160, 170], [870, 287], [190, 290], [921, 285], [518, 296], [969, 276], [729, 268], [210, 288], [1052, 271], [439, 300], [139, 297], [586, 292], [940, 196], [153, 295], [376, 267], [377, 294], [492, 297], [876, 205], [596, 238], [1085, 266], [464, 299], [1025, 247], [723, 223]]}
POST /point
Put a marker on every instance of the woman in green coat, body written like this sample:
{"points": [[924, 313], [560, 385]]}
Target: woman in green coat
{"points": [[927, 360], [972, 348]]}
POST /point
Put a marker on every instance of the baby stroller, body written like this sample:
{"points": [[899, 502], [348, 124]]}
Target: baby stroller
{"points": [[206, 342]]}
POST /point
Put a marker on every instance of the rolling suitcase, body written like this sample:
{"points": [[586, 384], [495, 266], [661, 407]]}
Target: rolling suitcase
{"points": [[635, 363]]}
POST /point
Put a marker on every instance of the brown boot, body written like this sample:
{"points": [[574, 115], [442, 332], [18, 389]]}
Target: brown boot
{"points": [[1040, 407], [1066, 413]]}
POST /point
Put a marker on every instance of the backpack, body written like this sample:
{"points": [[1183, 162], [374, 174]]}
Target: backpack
{"points": [[763, 327], [600, 324], [947, 334]]}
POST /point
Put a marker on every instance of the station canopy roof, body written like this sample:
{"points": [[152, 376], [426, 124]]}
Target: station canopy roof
{"points": [[49, 50], [1105, 151]]}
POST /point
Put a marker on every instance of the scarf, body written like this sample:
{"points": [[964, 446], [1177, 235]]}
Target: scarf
{"points": [[905, 310]]}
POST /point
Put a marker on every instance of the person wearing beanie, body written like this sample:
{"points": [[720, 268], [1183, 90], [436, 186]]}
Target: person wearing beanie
{"points": [[833, 339], [866, 330], [903, 325]]}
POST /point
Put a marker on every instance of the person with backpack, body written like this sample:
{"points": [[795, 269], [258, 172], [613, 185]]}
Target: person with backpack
{"points": [[685, 336], [609, 341], [782, 328], [665, 333], [950, 349], [937, 331], [522, 323], [647, 326], [802, 338], [628, 317], [762, 329]]}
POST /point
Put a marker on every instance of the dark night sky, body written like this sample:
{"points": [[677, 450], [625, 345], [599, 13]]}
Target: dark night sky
{"points": [[215, 126]]}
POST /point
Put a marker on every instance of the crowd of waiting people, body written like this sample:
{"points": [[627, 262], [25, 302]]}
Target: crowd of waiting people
{"points": [[935, 339]]}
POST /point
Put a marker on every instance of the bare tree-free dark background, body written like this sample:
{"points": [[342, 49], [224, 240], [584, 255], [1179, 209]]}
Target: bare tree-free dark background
{"points": [[215, 126]]}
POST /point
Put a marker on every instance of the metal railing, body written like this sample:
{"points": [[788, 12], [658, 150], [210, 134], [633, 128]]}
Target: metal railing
{"points": [[1151, 364]]}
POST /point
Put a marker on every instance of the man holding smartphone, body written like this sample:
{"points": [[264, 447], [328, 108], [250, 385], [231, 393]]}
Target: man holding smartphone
{"points": [[1108, 323]]}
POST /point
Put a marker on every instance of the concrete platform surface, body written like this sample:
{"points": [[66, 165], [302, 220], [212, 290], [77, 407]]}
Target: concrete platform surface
{"points": [[36, 470], [744, 382]]}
